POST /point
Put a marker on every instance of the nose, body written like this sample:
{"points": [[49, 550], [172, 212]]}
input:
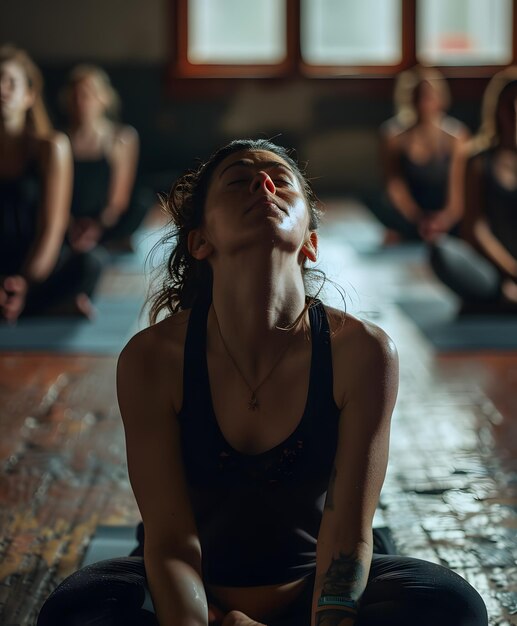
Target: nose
{"points": [[262, 180]]}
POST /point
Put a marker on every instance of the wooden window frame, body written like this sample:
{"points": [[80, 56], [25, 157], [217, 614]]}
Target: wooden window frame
{"points": [[181, 70]]}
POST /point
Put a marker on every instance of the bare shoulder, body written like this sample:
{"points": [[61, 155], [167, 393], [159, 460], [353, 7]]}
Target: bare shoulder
{"points": [[125, 135], [396, 136], [361, 352], [153, 358], [159, 344], [351, 334], [453, 127], [391, 127], [54, 147]]}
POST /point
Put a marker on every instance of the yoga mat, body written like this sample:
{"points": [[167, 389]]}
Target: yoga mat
{"points": [[438, 319], [115, 322], [139, 261], [109, 542], [365, 238]]}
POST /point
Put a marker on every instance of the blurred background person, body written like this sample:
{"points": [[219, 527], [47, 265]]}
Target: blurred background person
{"points": [[422, 162], [106, 205], [38, 274], [482, 268]]}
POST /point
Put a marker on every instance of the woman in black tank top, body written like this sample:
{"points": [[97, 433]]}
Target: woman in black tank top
{"points": [[257, 425], [482, 267], [38, 274], [107, 205], [422, 160]]}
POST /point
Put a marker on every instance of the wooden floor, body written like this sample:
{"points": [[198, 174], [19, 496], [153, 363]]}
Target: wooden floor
{"points": [[450, 494]]}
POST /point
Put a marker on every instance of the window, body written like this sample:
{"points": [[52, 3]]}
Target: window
{"points": [[334, 32], [281, 38], [464, 32], [240, 32]]}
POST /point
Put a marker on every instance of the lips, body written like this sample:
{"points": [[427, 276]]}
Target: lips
{"points": [[265, 201]]}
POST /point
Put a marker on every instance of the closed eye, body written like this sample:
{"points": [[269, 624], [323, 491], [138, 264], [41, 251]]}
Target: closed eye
{"points": [[236, 182], [285, 181]]}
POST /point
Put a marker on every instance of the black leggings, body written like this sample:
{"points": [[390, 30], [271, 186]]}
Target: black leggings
{"points": [[401, 591], [459, 266], [74, 273]]}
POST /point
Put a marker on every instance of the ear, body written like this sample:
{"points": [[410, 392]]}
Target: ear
{"points": [[198, 246], [310, 246]]}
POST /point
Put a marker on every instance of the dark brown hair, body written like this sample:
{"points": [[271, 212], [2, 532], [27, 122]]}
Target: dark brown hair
{"points": [[184, 279]]}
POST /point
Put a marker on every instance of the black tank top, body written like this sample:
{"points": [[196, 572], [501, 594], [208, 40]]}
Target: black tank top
{"points": [[428, 182], [258, 516], [19, 205], [91, 187]]}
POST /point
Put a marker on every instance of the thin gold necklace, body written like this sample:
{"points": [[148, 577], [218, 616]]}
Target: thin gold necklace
{"points": [[253, 403]]}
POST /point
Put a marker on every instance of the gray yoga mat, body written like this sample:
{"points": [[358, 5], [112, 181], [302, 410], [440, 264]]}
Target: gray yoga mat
{"points": [[115, 322], [438, 319]]}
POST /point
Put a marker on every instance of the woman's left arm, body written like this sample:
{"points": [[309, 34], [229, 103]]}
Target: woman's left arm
{"points": [[124, 163], [345, 544], [54, 210]]}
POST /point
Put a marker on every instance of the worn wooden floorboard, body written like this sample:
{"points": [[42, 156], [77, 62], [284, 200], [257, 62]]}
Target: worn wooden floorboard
{"points": [[63, 471]]}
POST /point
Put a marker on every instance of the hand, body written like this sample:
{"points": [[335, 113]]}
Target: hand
{"points": [[13, 294], [238, 618], [431, 226], [509, 289], [84, 234]]}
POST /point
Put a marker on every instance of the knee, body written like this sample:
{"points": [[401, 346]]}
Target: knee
{"points": [[463, 606], [449, 600], [101, 593]]}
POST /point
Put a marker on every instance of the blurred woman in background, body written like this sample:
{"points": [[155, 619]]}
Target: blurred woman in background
{"points": [[104, 206], [422, 160], [38, 274], [482, 268]]}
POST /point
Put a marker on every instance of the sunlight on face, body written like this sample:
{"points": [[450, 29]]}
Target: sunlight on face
{"points": [[256, 195]]}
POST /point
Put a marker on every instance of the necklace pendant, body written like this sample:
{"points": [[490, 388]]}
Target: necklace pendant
{"points": [[253, 403]]}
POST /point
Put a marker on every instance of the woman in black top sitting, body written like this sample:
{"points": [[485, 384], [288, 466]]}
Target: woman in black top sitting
{"points": [[38, 274], [422, 156], [482, 268], [257, 424], [105, 206]]}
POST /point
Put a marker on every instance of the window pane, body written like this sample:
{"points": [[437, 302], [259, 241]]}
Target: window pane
{"points": [[346, 32], [464, 32], [236, 31]]}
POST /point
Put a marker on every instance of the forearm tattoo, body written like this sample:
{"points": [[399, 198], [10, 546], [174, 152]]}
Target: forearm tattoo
{"points": [[344, 576], [341, 590]]}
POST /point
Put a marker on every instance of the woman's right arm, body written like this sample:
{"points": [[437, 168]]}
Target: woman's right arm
{"points": [[476, 228], [172, 552]]}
